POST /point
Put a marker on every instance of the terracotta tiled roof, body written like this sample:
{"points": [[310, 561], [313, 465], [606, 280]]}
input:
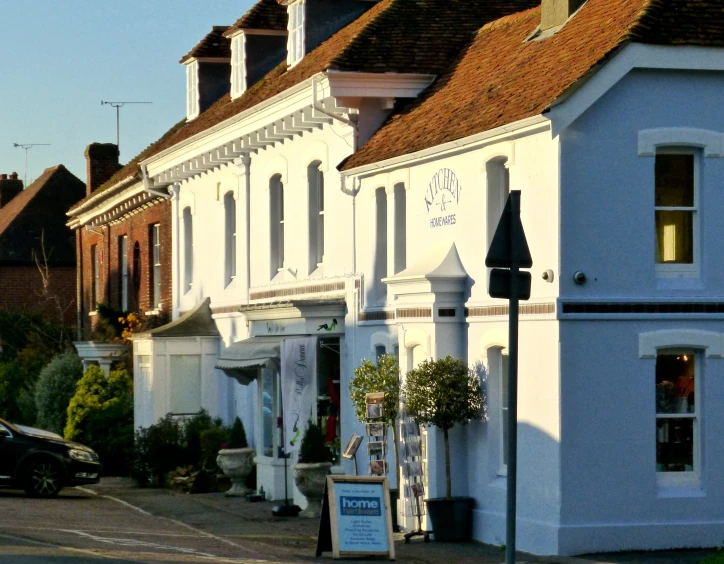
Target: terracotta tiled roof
{"points": [[213, 45], [40, 210], [500, 78], [376, 32], [265, 14]]}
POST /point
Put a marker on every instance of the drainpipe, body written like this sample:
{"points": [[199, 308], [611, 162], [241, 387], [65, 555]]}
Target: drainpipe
{"points": [[147, 185]]}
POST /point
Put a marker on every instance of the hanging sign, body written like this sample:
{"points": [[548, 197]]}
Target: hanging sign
{"points": [[356, 518], [299, 387]]}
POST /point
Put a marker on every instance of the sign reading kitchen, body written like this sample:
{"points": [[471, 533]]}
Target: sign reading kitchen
{"points": [[442, 198]]}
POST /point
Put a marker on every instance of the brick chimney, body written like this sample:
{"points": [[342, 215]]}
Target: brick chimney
{"points": [[9, 188], [554, 13], [101, 163]]}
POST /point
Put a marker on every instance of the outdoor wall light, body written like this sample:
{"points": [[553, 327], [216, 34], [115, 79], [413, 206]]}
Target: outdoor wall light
{"points": [[548, 276], [579, 277]]}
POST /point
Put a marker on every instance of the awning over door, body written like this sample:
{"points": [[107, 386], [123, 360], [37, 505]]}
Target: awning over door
{"points": [[243, 359]]}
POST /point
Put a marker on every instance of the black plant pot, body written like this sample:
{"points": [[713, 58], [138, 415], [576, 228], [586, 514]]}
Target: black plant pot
{"points": [[452, 519]]}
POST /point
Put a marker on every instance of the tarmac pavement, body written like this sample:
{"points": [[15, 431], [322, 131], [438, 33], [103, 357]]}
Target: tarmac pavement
{"points": [[264, 537]]}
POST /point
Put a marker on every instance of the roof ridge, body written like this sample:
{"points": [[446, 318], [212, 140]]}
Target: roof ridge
{"points": [[648, 12]]}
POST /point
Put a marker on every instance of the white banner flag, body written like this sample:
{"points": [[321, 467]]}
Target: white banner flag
{"points": [[299, 387]]}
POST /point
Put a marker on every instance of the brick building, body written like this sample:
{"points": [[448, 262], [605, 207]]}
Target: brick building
{"points": [[37, 259], [123, 241]]}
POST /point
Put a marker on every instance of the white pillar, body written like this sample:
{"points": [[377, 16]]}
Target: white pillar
{"points": [[243, 220], [175, 190]]}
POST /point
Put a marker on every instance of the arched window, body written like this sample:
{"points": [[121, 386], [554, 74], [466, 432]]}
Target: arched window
{"points": [[400, 228], [315, 181], [136, 273], [380, 271], [229, 237], [498, 190], [188, 230], [276, 224]]}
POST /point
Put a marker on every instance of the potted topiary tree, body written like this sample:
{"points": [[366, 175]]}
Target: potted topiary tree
{"points": [[383, 377], [236, 460], [443, 393], [310, 473]]}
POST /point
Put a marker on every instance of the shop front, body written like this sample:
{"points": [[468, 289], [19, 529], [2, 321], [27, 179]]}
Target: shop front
{"points": [[316, 329]]}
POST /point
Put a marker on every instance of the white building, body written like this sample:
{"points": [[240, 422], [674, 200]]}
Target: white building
{"points": [[606, 118]]}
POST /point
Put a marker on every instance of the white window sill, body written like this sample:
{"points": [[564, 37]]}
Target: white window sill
{"points": [[156, 311], [92, 313], [670, 491], [678, 283]]}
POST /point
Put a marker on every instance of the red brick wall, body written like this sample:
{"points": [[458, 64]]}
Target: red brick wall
{"points": [[140, 290], [21, 289]]}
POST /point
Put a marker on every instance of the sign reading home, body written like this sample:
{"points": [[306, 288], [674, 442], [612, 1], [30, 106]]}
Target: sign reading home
{"points": [[442, 198], [356, 518]]}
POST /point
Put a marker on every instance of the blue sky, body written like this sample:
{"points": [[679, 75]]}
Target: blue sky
{"points": [[60, 58]]}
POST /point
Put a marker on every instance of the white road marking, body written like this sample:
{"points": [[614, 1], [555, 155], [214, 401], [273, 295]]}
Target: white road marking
{"points": [[138, 543], [59, 547]]}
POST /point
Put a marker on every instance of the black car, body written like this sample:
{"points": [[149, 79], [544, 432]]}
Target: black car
{"points": [[42, 463]]}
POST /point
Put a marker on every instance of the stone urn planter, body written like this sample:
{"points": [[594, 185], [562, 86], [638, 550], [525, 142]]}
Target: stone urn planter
{"points": [[236, 464], [310, 479]]}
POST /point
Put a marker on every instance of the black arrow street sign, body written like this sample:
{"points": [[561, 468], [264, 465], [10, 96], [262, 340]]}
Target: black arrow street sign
{"points": [[509, 250]]}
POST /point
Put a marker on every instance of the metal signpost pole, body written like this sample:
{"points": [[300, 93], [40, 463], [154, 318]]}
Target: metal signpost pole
{"points": [[512, 467]]}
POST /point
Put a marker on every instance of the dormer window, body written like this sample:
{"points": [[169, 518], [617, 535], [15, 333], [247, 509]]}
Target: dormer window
{"points": [[295, 50], [192, 90], [238, 65]]}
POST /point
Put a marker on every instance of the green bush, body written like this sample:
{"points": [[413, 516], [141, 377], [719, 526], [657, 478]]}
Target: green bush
{"points": [[100, 415], [157, 450], [212, 441], [192, 428], [237, 436], [714, 558], [313, 449], [12, 384], [54, 389]]}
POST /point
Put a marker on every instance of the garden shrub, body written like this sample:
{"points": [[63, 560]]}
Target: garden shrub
{"points": [[212, 441], [237, 436], [192, 429], [54, 389], [12, 384], [313, 449], [100, 415], [157, 450]]}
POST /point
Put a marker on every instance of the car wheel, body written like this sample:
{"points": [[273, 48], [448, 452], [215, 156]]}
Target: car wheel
{"points": [[43, 479]]}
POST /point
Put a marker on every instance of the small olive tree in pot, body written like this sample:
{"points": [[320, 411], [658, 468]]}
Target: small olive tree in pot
{"points": [[443, 393], [310, 473]]}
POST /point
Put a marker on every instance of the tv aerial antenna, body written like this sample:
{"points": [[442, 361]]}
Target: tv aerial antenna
{"points": [[28, 146], [118, 106]]}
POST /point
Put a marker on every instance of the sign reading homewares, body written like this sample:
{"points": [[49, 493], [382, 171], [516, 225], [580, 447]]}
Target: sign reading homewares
{"points": [[356, 519], [442, 198]]}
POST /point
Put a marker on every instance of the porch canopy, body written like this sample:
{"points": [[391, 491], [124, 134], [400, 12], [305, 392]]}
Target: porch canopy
{"points": [[243, 359]]}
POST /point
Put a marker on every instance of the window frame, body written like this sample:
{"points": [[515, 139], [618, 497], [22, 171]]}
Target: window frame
{"points": [[192, 90], [123, 259], [188, 231], [276, 413], [230, 239], [497, 365], [238, 65], [295, 29], [156, 266], [315, 205], [693, 478], [95, 277], [681, 270], [276, 224]]}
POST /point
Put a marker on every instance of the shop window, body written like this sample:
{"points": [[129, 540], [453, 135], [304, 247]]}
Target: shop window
{"points": [[676, 211], [123, 272], [295, 46], [315, 182], [269, 411], [498, 181], [156, 266], [188, 230], [276, 224], [677, 416], [95, 277], [238, 66], [400, 228], [380, 271], [185, 385], [229, 237], [328, 394]]}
